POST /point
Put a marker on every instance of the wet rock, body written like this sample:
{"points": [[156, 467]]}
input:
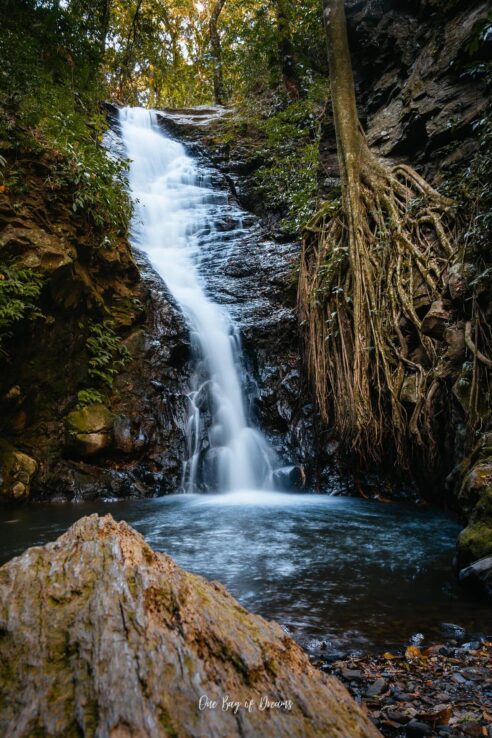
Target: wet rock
{"points": [[475, 541], [351, 675], [436, 320], [128, 436], [209, 467], [417, 729], [17, 469], [376, 688], [89, 430], [100, 632], [478, 576], [290, 478], [451, 630]]}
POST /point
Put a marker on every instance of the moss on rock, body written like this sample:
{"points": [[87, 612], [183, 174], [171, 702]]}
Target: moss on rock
{"points": [[16, 472], [89, 429], [475, 541]]}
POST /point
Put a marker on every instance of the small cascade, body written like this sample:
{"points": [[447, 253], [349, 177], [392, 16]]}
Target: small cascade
{"points": [[174, 217]]}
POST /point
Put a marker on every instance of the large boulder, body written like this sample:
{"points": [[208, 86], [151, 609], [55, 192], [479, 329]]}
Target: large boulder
{"points": [[100, 636]]}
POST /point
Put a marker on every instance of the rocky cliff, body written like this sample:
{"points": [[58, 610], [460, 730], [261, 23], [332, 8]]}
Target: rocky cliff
{"points": [[131, 441], [100, 636]]}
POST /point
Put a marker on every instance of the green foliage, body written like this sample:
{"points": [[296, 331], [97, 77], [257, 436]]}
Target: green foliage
{"points": [[471, 189], [250, 46], [19, 295], [98, 181], [286, 140], [51, 88], [89, 397], [107, 356]]}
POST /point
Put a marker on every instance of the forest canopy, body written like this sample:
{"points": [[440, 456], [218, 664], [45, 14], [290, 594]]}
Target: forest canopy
{"points": [[166, 53]]}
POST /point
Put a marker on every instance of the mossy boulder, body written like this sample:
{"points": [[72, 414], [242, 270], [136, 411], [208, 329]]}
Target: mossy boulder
{"points": [[89, 430], [16, 472], [475, 541], [101, 636]]}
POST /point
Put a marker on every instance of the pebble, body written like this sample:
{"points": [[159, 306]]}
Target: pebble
{"points": [[458, 678], [416, 729], [452, 630], [377, 688], [352, 674], [396, 716], [432, 694], [442, 697]]}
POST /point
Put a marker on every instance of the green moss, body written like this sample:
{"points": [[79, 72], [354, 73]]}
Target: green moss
{"points": [[89, 419], [475, 541], [483, 509], [166, 722], [282, 146]]}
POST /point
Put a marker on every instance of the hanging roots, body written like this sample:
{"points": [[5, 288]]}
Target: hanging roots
{"points": [[368, 267]]}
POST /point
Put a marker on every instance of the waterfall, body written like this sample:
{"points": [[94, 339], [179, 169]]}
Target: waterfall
{"points": [[174, 209]]}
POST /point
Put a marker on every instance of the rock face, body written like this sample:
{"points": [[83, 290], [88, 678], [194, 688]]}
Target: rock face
{"points": [[413, 67], [100, 636], [256, 283], [134, 447]]}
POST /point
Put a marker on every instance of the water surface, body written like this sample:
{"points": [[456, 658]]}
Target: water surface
{"points": [[353, 572]]}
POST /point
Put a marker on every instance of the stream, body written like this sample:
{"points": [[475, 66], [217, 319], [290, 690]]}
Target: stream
{"points": [[354, 573], [336, 572]]}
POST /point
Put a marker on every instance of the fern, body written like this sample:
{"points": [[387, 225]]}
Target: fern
{"points": [[19, 294], [107, 356]]}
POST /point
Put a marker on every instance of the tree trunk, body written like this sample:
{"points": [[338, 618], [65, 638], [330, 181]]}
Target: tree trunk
{"points": [[104, 13], [347, 127], [130, 43], [218, 80], [351, 148], [286, 51]]}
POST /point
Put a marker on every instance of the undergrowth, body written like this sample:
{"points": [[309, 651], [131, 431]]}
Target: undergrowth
{"points": [[19, 293], [107, 356], [284, 137]]}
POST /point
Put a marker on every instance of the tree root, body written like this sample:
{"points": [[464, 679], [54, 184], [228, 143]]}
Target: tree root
{"points": [[471, 346], [368, 265]]}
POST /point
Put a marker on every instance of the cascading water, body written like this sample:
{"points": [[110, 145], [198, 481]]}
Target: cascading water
{"points": [[174, 208]]}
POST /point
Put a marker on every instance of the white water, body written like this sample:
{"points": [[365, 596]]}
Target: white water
{"points": [[173, 205]]}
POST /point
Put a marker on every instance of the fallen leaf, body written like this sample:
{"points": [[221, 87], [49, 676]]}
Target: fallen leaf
{"points": [[413, 652]]}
